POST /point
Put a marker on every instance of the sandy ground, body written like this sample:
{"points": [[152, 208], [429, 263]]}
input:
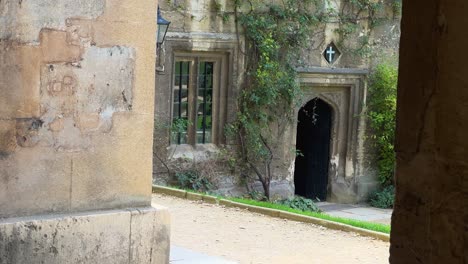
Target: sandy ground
{"points": [[246, 237]]}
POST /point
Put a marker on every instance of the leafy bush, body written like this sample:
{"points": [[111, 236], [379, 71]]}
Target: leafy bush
{"points": [[300, 203], [382, 116], [383, 198], [193, 180]]}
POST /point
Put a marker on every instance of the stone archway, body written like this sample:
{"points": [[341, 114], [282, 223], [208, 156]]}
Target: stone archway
{"points": [[314, 130], [349, 177]]}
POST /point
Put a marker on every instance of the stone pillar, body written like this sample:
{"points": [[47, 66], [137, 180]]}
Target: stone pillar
{"points": [[429, 221], [76, 124]]}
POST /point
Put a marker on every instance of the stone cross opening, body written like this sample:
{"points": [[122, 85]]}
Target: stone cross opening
{"points": [[331, 53]]}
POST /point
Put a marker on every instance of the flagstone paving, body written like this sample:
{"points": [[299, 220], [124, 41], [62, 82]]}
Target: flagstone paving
{"points": [[358, 212], [181, 255], [205, 232]]}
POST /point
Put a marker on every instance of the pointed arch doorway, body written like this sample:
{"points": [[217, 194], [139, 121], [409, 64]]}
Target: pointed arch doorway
{"points": [[313, 144]]}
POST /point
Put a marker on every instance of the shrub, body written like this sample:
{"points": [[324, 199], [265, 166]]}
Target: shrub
{"points": [[383, 198], [193, 180], [382, 116], [300, 203]]}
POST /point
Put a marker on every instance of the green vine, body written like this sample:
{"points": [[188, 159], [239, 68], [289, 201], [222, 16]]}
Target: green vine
{"points": [[275, 35], [358, 18], [270, 89]]}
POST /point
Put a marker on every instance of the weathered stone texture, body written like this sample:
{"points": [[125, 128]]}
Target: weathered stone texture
{"points": [[23, 20], [39, 186], [429, 223], [76, 123], [67, 69], [208, 27], [114, 237]]}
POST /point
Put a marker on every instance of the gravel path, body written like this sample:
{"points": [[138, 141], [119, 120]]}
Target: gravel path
{"points": [[248, 237]]}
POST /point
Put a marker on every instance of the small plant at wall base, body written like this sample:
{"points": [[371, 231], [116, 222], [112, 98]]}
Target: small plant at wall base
{"points": [[382, 117], [383, 198], [300, 203], [193, 180]]}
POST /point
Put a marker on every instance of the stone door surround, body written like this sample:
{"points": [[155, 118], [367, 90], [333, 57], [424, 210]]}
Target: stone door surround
{"points": [[344, 91]]}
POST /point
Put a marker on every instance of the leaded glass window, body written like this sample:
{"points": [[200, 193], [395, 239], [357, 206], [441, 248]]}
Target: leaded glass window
{"points": [[180, 119], [192, 111]]}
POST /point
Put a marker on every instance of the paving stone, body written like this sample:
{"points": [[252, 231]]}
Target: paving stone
{"points": [[185, 256]]}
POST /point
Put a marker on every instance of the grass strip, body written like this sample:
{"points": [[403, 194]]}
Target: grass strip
{"points": [[356, 223]]}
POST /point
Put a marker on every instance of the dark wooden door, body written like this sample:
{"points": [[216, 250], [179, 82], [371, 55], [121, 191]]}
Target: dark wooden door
{"points": [[313, 144]]}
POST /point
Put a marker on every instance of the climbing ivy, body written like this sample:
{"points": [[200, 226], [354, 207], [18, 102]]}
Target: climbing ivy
{"points": [[275, 34], [358, 18]]}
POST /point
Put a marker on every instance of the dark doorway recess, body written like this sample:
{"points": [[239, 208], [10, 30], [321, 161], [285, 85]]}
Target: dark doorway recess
{"points": [[313, 145]]}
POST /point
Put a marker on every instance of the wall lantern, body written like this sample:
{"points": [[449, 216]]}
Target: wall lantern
{"points": [[163, 26]]}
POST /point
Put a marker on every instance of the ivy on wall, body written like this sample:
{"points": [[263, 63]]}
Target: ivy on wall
{"points": [[275, 35], [270, 89]]}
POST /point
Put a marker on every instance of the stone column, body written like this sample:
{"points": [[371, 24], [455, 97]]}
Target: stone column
{"points": [[429, 222], [76, 124]]}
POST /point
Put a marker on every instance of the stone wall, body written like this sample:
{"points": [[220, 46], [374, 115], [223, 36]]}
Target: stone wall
{"points": [[206, 26], [76, 89], [429, 223], [76, 124]]}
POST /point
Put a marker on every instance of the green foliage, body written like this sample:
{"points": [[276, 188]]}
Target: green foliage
{"points": [[275, 34], [356, 21], [180, 125], [396, 6], [300, 203], [194, 180], [383, 198], [270, 90], [382, 116], [224, 16], [216, 6]]}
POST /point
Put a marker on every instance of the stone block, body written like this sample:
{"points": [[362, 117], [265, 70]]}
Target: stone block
{"points": [[88, 122], [7, 138], [153, 225], [282, 189], [34, 181], [117, 173], [210, 199], [55, 47], [27, 132], [170, 191], [194, 196], [25, 19], [19, 80], [139, 235], [264, 211]]}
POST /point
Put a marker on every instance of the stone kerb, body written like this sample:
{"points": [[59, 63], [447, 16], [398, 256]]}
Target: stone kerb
{"points": [[270, 212]]}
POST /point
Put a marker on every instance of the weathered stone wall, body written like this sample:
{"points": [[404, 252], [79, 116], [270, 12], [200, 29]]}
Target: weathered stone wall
{"points": [[76, 124], [76, 105], [429, 223], [209, 26], [105, 237]]}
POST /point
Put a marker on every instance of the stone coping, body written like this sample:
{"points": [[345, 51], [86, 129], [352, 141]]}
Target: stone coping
{"points": [[270, 212]]}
